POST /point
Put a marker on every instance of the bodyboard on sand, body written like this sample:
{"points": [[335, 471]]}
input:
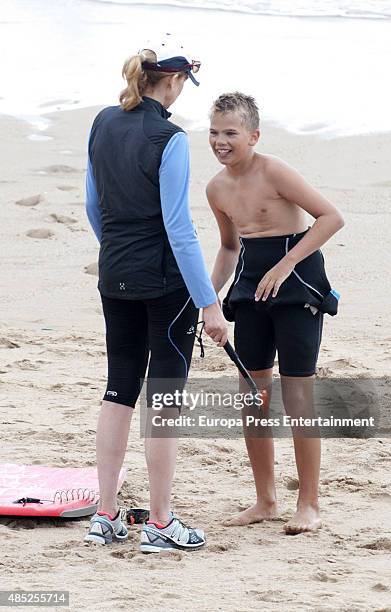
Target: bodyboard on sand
{"points": [[61, 491]]}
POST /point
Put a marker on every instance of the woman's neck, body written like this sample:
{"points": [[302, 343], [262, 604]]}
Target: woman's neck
{"points": [[155, 95]]}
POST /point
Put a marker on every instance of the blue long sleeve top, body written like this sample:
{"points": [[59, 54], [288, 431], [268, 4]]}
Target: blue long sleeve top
{"points": [[92, 202], [174, 195]]}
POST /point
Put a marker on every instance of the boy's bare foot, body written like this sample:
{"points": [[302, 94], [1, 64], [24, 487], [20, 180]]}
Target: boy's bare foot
{"points": [[257, 513], [306, 518]]}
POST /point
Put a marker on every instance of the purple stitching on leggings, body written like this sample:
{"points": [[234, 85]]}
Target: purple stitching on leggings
{"points": [[171, 340]]}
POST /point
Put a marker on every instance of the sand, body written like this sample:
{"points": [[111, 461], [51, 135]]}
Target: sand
{"points": [[52, 378]]}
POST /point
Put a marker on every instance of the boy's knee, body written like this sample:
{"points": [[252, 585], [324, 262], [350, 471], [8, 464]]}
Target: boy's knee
{"points": [[298, 395]]}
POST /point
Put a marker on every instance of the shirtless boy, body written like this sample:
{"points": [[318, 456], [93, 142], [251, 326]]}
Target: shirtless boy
{"points": [[280, 290]]}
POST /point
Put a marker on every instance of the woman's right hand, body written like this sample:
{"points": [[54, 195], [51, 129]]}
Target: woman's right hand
{"points": [[215, 325]]}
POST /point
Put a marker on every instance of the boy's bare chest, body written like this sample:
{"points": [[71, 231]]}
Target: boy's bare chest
{"points": [[257, 209], [245, 202]]}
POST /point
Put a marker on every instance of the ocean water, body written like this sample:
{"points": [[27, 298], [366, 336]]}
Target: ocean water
{"points": [[368, 9], [313, 66]]}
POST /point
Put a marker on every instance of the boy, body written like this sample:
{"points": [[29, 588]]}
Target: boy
{"points": [[280, 289]]}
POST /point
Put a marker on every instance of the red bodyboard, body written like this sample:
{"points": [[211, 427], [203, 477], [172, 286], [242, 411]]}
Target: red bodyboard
{"points": [[62, 491]]}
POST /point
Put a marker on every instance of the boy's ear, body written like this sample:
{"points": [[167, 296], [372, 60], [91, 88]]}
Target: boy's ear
{"points": [[254, 137]]}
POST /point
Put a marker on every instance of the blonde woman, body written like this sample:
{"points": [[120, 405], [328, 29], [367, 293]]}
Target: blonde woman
{"points": [[152, 278]]}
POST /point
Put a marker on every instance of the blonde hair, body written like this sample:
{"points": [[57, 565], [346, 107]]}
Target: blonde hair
{"points": [[139, 78], [240, 103]]}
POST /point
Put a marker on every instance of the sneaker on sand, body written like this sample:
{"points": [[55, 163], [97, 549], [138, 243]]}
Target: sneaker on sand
{"points": [[173, 536], [104, 529]]}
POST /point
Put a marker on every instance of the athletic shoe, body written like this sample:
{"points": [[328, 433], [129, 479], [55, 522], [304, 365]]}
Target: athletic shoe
{"points": [[104, 528], [174, 536]]}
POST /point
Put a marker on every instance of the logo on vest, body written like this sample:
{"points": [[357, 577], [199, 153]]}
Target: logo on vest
{"points": [[122, 286]]}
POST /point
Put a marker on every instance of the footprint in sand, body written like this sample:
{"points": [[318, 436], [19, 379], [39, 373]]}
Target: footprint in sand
{"points": [[221, 449], [66, 187], [349, 483], [380, 544], [26, 364], [60, 169], [92, 269], [379, 587], [52, 552], [335, 366], [8, 343], [270, 596], [122, 554], [62, 219], [56, 387], [41, 233], [211, 460], [339, 364], [30, 201], [324, 577], [222, 547]]}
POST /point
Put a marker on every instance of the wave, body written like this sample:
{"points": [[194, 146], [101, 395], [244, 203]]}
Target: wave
{"points": [[353, 9]]}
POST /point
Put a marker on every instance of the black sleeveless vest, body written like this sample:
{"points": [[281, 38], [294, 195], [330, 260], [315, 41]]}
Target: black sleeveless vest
{"points": [[125, 149]]}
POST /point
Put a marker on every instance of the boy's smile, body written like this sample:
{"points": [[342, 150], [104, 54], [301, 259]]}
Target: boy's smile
{"points": [[229, 138], [223, 153]]}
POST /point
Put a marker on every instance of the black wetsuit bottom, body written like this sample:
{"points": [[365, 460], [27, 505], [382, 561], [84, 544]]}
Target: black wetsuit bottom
{"points": [[293, 331], [161, 330], [286, 323]]}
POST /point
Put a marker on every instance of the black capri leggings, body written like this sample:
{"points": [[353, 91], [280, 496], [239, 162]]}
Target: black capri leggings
{"points": [[161, 328]]}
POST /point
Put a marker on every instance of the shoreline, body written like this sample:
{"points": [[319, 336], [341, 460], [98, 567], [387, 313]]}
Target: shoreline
{"points": [[41, 123], [310, 74]]}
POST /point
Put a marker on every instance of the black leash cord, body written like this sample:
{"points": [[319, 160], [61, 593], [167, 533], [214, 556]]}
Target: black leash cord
{"points": [[199, 338]]}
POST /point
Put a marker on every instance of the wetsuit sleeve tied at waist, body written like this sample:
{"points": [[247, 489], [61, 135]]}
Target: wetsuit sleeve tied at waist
{"points": [[92, 202], [174, 196]]}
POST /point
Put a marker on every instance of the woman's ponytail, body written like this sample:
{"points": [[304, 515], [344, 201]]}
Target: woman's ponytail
{"points": [[139, 79], [136, 80]]}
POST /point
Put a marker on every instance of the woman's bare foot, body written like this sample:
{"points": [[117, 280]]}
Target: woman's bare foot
{"points": [[260, 511], [306, 518]]}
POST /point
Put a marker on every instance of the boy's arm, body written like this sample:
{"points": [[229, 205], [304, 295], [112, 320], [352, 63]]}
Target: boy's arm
{"points": [[328, 220], [227, 254]]}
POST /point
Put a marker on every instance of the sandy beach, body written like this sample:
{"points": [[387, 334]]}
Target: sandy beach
{"points": [[53, 374]]}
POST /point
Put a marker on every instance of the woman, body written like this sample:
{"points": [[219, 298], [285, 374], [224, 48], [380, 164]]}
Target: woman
{"points": [[152, 278]]}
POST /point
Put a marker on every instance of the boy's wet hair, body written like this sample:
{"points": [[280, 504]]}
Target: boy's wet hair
{"points": [[240, 103]]}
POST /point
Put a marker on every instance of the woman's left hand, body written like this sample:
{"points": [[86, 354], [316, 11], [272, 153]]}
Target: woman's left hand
{"points": [[273, 280]]}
